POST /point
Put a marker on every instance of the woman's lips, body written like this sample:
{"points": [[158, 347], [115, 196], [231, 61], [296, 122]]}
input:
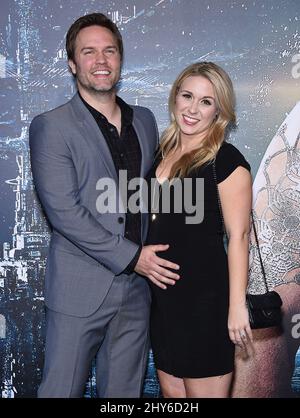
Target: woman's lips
{"points": [[189, 121]]}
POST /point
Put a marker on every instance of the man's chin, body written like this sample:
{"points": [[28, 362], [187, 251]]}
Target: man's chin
{"points": [[101, 89], [104, 90]]}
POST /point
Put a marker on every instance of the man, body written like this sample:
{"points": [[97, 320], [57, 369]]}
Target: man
{"points": [[96, 303]]}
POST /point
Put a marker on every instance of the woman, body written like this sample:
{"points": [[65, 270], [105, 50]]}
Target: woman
{"points": [[196, 321]]}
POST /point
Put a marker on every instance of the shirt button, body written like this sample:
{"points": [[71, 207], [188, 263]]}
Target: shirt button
{"points": [[122, 155], [120, 220], [126, 233]]}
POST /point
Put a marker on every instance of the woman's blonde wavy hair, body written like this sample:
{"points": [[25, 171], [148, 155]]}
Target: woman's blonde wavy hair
{"points": [[225, 101]]}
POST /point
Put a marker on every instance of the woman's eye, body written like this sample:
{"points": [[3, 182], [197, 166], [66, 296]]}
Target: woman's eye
{"points": [[206, 102], [186, 96]]}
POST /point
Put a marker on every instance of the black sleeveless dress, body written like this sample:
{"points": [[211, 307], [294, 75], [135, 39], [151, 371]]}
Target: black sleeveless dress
{"points": [[189, 334]]}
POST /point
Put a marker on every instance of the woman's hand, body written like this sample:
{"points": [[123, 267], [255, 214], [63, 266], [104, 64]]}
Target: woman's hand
{"points": [[239, 326]]}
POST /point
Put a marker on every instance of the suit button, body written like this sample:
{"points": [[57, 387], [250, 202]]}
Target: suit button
{"points": [[120, 220]]}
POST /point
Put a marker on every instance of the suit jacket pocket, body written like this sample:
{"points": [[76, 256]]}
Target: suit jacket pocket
{"points": [[73, 285]]}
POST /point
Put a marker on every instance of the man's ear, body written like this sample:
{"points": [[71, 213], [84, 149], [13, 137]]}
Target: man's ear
{"points": [[72, 67]]}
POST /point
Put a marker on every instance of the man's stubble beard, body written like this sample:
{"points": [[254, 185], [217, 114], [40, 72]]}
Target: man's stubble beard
{"points": [[96, 91]]}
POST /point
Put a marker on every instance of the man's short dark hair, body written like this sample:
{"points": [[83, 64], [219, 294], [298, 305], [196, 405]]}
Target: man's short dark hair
{"points": [[93, 19]]}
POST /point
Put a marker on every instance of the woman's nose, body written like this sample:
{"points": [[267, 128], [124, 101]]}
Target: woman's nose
{"points": [[193, 108]]}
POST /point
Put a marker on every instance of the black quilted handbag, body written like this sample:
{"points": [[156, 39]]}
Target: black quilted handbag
{"points": [[264, 309]]}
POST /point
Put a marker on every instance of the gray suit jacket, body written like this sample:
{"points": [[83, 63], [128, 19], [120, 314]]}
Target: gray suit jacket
{"points": [[68, 156]]}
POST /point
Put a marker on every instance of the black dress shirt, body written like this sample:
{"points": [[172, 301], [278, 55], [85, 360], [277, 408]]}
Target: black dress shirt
{"points": [[126, 154]]}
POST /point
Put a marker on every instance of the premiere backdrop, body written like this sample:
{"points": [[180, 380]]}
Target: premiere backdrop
{"points": [[258, 44]]}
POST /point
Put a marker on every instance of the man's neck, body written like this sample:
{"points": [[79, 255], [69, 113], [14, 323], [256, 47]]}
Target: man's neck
{"points": [[105, 103]]}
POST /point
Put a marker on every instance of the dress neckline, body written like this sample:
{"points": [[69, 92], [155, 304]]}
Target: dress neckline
{"points": [[158, 179]]}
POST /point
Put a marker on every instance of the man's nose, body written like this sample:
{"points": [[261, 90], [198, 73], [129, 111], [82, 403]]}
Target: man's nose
{"points": [[100, 58]]}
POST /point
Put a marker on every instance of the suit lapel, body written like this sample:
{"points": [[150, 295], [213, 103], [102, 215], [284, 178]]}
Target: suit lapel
{"points": [[146, 162], [90, 129], [141, 134]]}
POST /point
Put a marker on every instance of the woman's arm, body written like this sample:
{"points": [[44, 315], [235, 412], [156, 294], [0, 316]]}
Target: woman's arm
{"points": [[236, 199]]}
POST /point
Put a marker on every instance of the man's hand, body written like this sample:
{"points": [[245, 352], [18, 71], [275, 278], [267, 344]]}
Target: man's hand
{"points": [[156, 268]]}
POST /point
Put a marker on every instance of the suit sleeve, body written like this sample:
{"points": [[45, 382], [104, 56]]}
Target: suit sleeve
{"points": [[56, 183]]}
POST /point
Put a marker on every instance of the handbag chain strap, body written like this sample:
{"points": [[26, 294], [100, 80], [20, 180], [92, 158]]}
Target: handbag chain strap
{"points": [[252, 221]]}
